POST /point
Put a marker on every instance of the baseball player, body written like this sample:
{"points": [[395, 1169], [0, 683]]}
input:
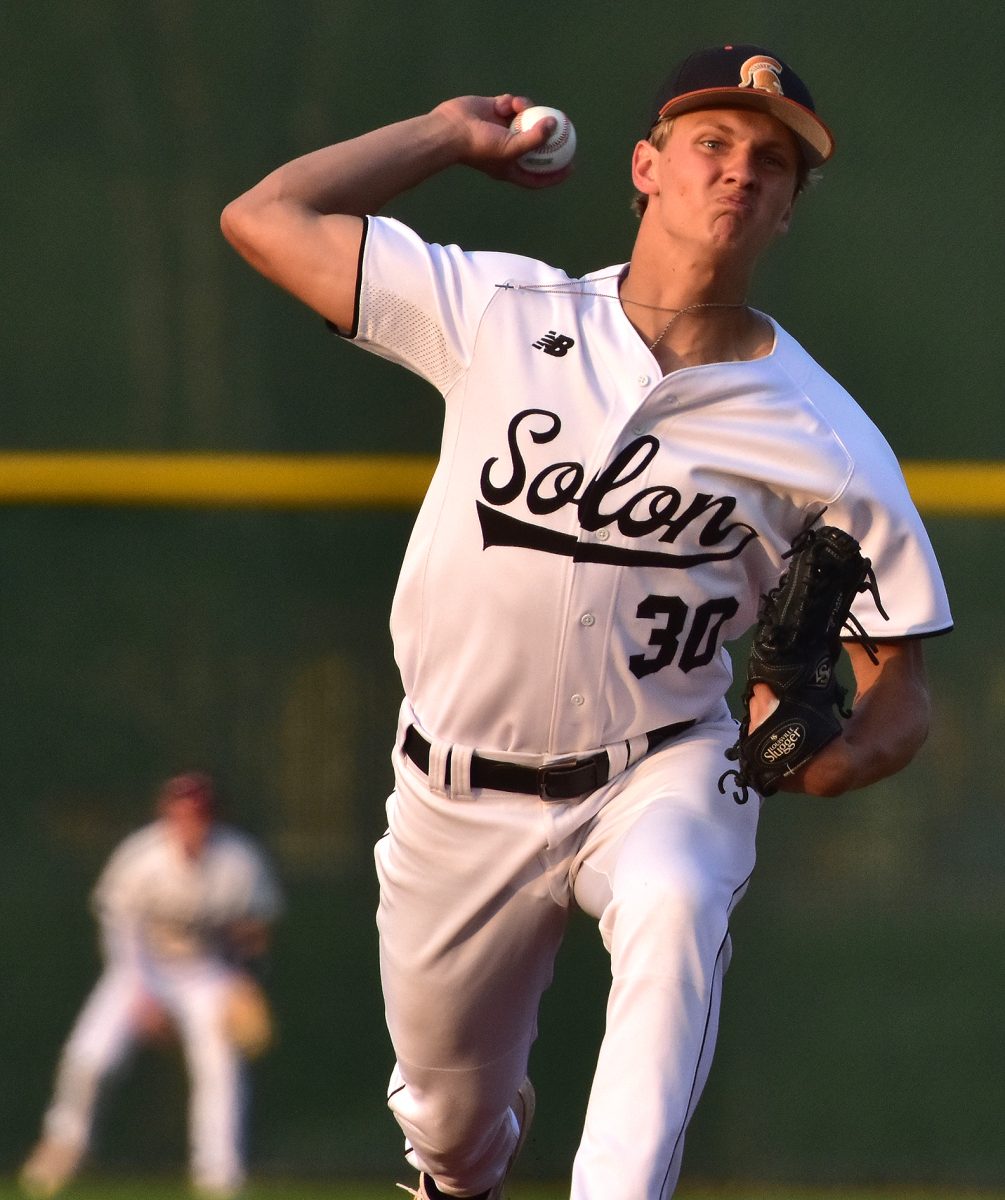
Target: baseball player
{"points": [[184, 904], [625, 458]]}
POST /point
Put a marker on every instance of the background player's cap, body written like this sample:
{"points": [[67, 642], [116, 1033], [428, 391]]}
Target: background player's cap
{"points": [[192, 785], [746, 77]]}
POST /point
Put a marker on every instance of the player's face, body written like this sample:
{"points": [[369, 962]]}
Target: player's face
{"points": [[190, 820], [724, 179]]}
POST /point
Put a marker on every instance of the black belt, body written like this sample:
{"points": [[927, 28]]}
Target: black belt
{"points": [[561, 781]]}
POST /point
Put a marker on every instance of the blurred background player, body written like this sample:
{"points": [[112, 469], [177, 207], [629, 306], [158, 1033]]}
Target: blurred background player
{"points": [[184, 904]]}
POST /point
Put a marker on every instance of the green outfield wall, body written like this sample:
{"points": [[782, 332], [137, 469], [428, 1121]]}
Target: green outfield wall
{"points": [[154, 619]]}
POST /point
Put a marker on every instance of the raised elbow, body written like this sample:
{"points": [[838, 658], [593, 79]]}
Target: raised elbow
{"points": [[242, 225], [235, 224]]}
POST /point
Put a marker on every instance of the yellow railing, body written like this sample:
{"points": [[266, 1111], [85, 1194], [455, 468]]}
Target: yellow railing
{"points": [[215, 480], [957, 488], [352, 481]]}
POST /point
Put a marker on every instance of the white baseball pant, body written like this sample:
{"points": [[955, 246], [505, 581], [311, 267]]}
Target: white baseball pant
{"points": [[474, 897], [106, 1030]]}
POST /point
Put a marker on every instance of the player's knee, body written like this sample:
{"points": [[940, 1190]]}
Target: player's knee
{"points": [[457, 1130], [670, 908]]}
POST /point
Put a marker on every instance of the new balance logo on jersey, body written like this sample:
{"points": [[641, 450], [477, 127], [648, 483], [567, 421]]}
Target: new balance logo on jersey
{"points": [[557, 345]]}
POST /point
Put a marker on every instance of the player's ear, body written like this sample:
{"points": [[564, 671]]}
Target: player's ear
{"points": [[644, 159], [786, 219]]}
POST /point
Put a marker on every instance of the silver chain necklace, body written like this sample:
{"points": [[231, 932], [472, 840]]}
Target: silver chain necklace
{"points": [[583, 291], [681, 311]]}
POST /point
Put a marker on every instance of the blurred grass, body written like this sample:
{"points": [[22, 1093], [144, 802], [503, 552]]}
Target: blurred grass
{"points": [[95, 1188]]}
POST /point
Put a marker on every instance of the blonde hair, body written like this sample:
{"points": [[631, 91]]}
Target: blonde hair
{"points": [[658, 137]]}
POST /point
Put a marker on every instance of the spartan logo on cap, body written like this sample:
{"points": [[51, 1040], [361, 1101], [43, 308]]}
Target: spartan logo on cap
{"points": [[762, 73]]}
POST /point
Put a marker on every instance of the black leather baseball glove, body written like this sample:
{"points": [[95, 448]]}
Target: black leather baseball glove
{"points": [[794, 651]]}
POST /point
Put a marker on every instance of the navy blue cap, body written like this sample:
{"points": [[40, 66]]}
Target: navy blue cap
{"points": [[746, 77]]}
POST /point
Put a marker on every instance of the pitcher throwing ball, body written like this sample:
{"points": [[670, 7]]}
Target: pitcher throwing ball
{"points": [[625, 459]]}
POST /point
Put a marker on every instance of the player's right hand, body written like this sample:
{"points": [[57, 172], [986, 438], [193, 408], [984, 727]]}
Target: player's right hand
{"points": [[481, 124]]}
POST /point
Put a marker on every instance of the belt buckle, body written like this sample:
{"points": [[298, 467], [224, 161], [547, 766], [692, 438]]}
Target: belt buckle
{"points": [[557, 772]]}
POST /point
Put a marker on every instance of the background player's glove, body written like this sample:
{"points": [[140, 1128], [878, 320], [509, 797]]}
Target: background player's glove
{"points": [[247, 1017], [795, 647]]}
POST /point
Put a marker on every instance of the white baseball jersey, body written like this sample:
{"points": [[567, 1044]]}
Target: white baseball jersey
{"points": [[158, 906], [596, 532], [163, 919]]}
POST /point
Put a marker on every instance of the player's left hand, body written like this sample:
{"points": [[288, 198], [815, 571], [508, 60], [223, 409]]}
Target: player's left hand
{"points": [[791, 669], [247, 1017], [825, 774], [885, 731]]}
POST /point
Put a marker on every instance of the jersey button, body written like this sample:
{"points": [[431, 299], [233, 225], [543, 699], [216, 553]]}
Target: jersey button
{"points": [[577, 699], [643, 381], [587, 619], [603, 535]]}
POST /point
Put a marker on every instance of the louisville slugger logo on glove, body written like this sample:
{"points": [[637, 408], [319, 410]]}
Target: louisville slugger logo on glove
{"points": [[796, 645]]}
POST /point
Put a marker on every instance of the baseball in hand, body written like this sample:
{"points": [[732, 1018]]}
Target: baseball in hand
{"points": [[554, 154]]}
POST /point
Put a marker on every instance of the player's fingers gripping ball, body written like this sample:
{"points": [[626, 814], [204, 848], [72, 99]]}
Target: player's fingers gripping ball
{"points": [[555, 153], [247, 1017]]}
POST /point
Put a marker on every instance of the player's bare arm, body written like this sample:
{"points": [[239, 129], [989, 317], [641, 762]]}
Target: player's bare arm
{"points": [[888, 726], [301, 226]]}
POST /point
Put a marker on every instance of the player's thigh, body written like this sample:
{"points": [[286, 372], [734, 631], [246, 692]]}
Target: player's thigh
{"points": [[468, 927], [195, 996], [107, 1024], [196, 999], [669, 841]]}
